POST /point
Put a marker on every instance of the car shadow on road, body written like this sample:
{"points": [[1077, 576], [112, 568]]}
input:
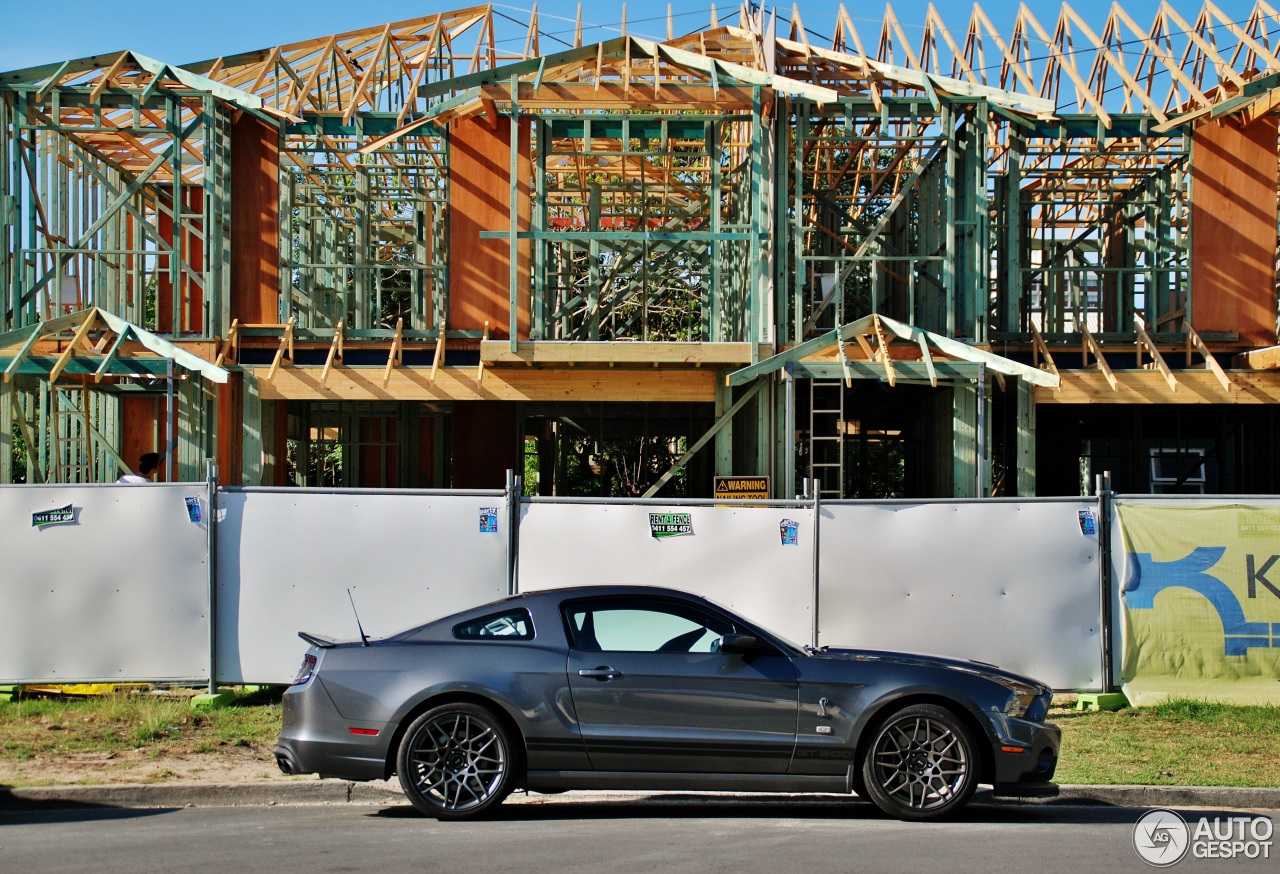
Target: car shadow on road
{"points": [[59, 812], [537, 808]]}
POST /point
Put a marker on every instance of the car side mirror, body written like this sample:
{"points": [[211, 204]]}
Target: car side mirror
{"points": [[740, 644]]}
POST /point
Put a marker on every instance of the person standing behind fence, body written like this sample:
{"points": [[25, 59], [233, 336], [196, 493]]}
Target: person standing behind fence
{"points": [[148, 464]]}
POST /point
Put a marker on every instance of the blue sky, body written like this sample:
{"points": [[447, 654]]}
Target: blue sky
{"points": [[180, 31]]}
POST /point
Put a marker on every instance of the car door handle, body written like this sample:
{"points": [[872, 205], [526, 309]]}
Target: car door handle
{"points": [[600, 673]]}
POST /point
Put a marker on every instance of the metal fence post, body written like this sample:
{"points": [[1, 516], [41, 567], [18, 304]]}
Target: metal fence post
{"points": [[513, 490], [817, 527], [211, 532], [1105, 582]]}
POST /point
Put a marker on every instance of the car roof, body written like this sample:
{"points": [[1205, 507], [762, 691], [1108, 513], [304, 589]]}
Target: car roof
{"points": [[608, 590], [545, 598]]}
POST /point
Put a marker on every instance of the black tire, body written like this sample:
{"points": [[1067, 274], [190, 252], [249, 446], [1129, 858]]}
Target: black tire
{"points": [[921, 764], [859, 785], [456, 761]]}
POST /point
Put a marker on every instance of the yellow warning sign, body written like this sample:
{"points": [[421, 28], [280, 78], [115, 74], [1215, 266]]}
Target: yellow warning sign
{"points": [[743, 488]]}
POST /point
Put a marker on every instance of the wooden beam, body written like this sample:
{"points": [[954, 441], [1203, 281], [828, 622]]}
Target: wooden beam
{"points": [[437, 360], [1040, 349], [286, 346], [397, 352], [335, 352], [1142, 387], [107, 76], [1144, 341], [229, 343], [1258, 359], [374, 145], [1194, 342], [505, 384], [602, 352], [927, 357], [61, 363], [110, 357], [1091, 345], [883, 350]]}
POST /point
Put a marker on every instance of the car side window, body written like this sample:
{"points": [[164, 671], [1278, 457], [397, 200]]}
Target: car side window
{"points": [[507, 625], [611, 626]]}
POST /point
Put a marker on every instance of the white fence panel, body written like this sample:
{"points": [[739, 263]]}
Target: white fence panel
{"points": [[119, 592], [287, 557], [735, 555], [1010, 583]]}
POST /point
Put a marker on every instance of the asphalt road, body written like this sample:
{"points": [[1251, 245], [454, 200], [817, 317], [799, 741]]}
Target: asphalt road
{"points": [[562, 834]]}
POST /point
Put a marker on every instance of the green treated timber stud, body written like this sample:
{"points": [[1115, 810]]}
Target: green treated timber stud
{"points": [[751, 293], [1101, 701], [514, 245], [212, 700], [9, 693]]}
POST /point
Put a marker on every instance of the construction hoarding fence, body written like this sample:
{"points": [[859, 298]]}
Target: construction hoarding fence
{"points": [[105, 583], [119, 583], [738, 556], [291, 560], [1011, 583], [1200, 589]]}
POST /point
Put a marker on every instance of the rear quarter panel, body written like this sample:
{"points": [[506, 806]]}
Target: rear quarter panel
{"points": [[392, 682]]}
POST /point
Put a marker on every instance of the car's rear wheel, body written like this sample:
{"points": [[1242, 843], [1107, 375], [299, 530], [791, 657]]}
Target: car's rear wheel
{"points": [[455, 761], [922, 763]]}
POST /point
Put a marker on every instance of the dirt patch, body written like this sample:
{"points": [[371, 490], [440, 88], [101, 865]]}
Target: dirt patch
{"points": [[241, 764]]}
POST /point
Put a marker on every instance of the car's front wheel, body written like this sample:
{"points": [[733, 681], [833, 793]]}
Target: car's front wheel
{"points": [[455, 761], [922, 763]]}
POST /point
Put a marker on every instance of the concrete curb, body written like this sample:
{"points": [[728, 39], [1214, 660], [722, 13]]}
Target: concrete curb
{"points": [[320, 792], [1242, 797]]}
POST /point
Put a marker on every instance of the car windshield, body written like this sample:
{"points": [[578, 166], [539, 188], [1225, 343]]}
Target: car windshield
{"points": [[778, 638]]}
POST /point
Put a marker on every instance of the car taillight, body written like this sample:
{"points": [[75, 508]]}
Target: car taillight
{"points": [[308, 668]]}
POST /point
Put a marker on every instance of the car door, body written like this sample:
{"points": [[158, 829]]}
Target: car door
{"points": [[652, 694]]}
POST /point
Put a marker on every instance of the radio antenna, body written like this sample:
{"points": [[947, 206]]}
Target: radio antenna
{"points": [[364, 638]]}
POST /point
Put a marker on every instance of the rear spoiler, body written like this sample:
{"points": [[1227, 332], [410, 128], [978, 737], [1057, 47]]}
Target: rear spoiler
{"points": [[317, 640]]}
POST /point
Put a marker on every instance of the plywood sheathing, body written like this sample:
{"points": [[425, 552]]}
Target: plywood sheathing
{"points": [[255, 221], [1233, 220], [479, 200]]}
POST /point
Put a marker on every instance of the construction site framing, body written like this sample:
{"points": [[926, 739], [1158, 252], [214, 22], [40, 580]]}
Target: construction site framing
{"points": [[916, 261]]}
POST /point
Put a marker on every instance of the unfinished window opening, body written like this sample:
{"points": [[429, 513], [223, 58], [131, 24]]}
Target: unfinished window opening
{"points": [[363, 241], [645, 223]]}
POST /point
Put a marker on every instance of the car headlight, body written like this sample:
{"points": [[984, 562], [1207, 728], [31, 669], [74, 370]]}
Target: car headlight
{"points": [[1021, 697], [1020, 701]]}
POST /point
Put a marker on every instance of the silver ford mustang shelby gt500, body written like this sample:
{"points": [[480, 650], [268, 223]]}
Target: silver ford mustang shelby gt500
{"points": [[624, 687]]}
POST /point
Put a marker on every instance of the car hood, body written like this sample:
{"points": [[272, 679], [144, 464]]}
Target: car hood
{"points": [[981, 669]]}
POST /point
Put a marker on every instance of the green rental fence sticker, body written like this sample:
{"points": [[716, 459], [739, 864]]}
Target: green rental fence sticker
{"points": [[53, 517], [670, 524]]}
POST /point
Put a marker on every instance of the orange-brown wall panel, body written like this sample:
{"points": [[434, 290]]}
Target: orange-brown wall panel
{"points": [[141, 423], [255, 221], [1233, 226], [377, 450], [479, 200], [231, 431]]}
